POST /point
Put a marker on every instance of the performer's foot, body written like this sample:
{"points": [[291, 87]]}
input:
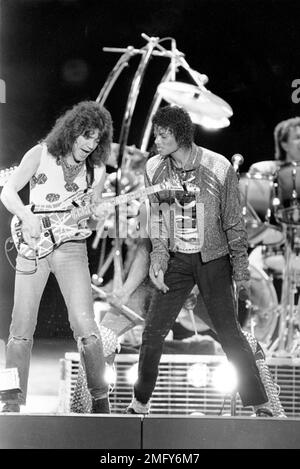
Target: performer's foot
{"points": [[136, 407], [262, 412], [100, 406], [11, 408]]}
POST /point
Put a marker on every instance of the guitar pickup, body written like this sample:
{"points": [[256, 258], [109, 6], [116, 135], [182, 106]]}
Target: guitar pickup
{"points": [[46, 222]]}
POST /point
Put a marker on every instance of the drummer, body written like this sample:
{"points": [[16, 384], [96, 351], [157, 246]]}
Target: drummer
{"points": [[287, 140]]}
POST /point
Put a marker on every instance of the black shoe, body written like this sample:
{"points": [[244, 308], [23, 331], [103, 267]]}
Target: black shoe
{"points": [[100, 406], [264, 412], [130, 410], [11, 408]]}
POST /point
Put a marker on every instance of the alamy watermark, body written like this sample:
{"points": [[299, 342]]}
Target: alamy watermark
{"points": [[296, 93], [155, 222]]}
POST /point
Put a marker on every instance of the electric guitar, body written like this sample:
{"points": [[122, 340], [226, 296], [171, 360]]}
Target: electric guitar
{"points": [[66, 221]]}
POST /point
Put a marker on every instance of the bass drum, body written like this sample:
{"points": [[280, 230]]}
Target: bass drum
{"points": [[263, 313]]}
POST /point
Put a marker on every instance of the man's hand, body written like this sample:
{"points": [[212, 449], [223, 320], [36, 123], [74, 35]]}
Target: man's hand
{"points": [[157, 277], [243, 289], [101, 210], [31, 229]]}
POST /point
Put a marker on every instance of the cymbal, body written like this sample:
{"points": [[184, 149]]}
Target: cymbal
{"points": [[209, 122], [133, 156], [196, 100]]}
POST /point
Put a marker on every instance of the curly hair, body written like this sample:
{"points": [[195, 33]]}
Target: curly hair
{"points": [[178, 121], [82, 119], [281, 133]]}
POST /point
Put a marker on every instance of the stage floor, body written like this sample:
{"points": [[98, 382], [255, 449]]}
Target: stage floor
{"points": [[40, 425]]}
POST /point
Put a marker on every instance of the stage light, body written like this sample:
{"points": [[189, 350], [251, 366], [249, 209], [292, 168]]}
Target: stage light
{"points": [[110, 375], [132, 374], [224, 378], [197, 375]]}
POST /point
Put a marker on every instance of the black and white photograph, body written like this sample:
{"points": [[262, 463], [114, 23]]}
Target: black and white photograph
{"points": [[150, 227]]}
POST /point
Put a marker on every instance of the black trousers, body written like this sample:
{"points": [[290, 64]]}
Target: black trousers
{"points": [[214, 280]]}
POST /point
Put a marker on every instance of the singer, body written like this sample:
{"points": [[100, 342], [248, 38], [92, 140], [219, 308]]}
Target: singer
{"points": [[180, 258], [70, 158]]}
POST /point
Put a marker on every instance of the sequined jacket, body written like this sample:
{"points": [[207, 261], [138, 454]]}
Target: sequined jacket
{"points": [[222, 225]]}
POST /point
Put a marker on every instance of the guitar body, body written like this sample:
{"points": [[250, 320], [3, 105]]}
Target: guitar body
{"points": [[59, 223], [67, 221], [57, 228]]}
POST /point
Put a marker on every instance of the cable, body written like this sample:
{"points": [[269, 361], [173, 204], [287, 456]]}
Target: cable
{"points": [[8, 249]]}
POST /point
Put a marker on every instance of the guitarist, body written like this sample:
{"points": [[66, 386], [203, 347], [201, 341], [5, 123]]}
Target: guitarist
{"points": [[71, 158]]}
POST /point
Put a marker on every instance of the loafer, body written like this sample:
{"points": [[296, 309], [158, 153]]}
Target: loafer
{"points": [[263, 412]]}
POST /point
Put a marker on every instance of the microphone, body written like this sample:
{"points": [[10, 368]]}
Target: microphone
{"points": [[237, 160]]}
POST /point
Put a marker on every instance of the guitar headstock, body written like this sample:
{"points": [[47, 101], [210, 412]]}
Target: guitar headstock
{"points": [[5, 174]]}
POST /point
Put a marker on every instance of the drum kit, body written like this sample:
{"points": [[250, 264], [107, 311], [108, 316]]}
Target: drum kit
{"points": [[270, 194]]}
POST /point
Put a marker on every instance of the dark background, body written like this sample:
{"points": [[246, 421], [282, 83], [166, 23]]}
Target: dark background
{"points": [[52, 57]]}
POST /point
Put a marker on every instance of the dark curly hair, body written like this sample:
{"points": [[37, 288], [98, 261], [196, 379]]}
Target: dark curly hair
{"points": [[178, 121], [82, 119], [281, 133]]}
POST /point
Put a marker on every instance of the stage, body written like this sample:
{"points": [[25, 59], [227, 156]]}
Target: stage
{"points": [[42, 423], [130, 432]]}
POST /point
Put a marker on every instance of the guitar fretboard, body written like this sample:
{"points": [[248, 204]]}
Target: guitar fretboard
{"points": [[85, 211]]}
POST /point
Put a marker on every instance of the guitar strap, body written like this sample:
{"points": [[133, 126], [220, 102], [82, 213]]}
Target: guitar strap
{"points": [[89, 174]]}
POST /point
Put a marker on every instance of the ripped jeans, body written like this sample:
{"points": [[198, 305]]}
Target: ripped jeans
{"points": [[69, 264]]}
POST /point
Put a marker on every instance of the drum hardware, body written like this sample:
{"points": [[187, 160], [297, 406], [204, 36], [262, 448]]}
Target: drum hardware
{"points": [[262, 305], [294, 192], [287, 330], [257, 192], [288, 190]]}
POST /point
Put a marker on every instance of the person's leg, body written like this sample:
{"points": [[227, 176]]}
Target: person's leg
{"points": [[70, 266], [215, 284], [27, 297], [163, 311], [115, 322]]}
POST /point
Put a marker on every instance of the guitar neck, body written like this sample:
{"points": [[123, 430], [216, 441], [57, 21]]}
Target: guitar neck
{"points": [[123, 198], [86, 211]]}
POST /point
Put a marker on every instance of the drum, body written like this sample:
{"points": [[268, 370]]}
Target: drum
{"points": [[262, 316], [274, 259], [288, 181], [257, 191], [263, 313]]}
